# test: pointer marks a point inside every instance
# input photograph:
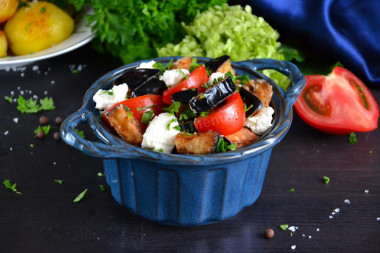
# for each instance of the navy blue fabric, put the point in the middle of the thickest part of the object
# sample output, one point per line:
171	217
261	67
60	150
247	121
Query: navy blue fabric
339	30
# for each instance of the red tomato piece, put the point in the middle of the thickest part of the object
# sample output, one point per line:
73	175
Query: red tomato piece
337	104
139	105
195	80
227	119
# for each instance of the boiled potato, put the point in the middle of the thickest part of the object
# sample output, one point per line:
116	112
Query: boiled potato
7	9
37	27
3	44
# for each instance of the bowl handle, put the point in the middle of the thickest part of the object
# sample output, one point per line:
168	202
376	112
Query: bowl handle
288	69
97	149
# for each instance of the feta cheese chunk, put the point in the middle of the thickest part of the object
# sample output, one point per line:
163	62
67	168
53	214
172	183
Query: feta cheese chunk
174	76
146	65
215	76
260	122
157	136
104	99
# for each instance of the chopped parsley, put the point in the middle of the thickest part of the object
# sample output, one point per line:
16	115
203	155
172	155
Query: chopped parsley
173	108
352	138
204	114
202	95
284	226
102	188
194	65
172	121
370	152
177	127
129	115
32	106
80	133
43	10
189	134
8	99
223	146
247	108
127	109
159	150
231	75
291	190
31	145
74	71
10	186
58	181
28	26
161	67
44	129
145	108
206	85
326	179
183	74
186	115
100	174
80	196
147	117
244	79
109	92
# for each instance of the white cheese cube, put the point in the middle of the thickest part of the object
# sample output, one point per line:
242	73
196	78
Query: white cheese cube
174	76
104	99
260	122
146	65
157	136
215	76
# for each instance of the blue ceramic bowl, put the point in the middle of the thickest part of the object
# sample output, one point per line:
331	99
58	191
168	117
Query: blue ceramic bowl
185	190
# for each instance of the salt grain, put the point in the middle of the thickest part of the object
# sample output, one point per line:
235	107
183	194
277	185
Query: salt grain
378	218
35	68
333	213
52	82
337	210
35	97
10	148
22	92
366	191
347	201
331	217
6	133
310	236
292	228
54	163
45	92
15	120
18	88
12	93
303	235
293	247
317	229
22	74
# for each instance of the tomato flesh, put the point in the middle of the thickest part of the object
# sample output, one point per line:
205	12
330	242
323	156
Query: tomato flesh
337	104
195	80
227	119
139	105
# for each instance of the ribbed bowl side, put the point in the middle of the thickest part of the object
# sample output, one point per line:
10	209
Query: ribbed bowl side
186	195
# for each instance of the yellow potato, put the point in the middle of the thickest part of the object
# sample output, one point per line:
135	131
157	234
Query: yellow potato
37	27
7	9
3	44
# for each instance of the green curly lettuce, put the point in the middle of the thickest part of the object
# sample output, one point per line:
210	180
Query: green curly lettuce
231	30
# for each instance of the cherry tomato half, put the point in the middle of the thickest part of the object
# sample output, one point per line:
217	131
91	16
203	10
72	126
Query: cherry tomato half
337	104
195	80
139	105
227	119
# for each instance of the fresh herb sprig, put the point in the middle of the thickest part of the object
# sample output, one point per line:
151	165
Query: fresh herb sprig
32	106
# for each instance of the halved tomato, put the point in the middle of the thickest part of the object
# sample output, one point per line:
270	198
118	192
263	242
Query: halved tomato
227	119
139	105
339	103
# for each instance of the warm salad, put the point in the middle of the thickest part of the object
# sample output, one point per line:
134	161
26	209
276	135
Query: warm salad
186	107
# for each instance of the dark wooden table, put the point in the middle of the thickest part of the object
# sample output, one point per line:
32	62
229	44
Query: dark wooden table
44	217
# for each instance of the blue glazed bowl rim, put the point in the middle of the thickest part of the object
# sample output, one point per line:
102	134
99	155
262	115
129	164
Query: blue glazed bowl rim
112	146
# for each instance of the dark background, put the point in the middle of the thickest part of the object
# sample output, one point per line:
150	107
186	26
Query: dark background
45	218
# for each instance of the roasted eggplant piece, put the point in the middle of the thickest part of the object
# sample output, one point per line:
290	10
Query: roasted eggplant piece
251	101
262	89
135	77
213	96
153	85
197	143
221	64
185	96
242	138
188	126
125	124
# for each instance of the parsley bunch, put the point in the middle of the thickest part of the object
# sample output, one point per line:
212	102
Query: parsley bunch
32	106
133	29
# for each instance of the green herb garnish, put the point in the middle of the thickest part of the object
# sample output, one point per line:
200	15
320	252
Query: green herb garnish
247	108
173	108
186	115
8	99
80	196
147	117
206	85
100	174
43	10
352	138
193	64
284	226
80	133
291	189
172	121
244	79
102	188
32	106
44	129
159	150
223	146
183	74
177	127
326	179
129	114
10	186
58	181
161	67
204	114
145	108
202	95
74	71
31	145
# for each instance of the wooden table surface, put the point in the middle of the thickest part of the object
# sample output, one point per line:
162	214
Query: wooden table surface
44	217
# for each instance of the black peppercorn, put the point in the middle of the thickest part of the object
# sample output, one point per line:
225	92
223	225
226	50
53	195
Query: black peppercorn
44	120
58	120
56	136
40	134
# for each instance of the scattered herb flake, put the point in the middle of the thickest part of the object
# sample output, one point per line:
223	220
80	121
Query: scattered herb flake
80	196
43	10
326	179
352	138
186	115
10	186
102	188
31	145
45	129
193	64
173	108
223	146
247	108
58	181
145	108
32	106
74	71
147	117
8	99
177	127
80	133
172	121
370	152
204	114
284	226
291	190
202	95
244	79
100	174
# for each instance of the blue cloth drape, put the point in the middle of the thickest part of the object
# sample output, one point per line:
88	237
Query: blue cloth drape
339	30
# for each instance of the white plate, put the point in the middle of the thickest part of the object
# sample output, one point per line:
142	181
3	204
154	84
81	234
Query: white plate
81	35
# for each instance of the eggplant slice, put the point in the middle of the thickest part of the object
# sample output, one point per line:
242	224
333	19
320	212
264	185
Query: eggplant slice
242	138
251	101
185	96
221	64
213	96
125	124
135	77
153	85
188	126
198	143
